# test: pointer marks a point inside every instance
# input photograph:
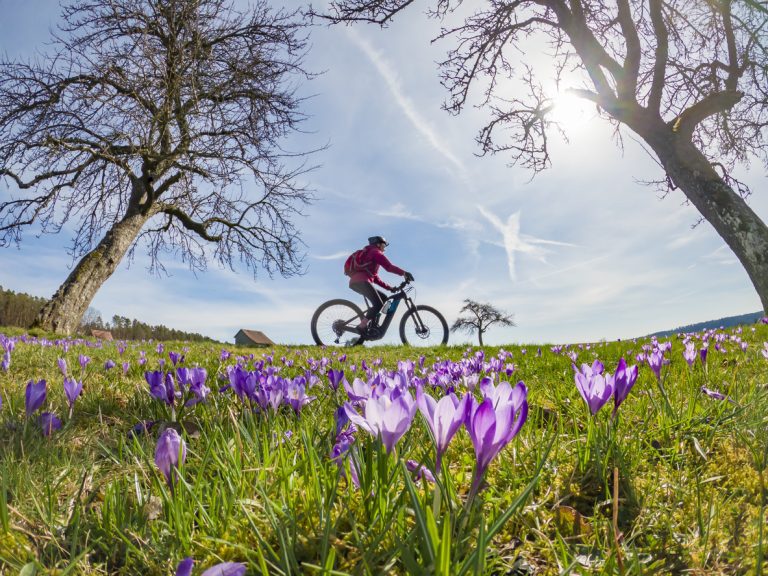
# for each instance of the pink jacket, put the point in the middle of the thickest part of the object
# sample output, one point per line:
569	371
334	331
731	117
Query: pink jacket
373	254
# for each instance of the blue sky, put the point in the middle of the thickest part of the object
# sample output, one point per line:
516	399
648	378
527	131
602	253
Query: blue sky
579	253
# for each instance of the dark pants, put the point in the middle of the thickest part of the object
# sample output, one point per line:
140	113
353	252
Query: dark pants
374	297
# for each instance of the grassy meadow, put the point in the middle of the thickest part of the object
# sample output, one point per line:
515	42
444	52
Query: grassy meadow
273	477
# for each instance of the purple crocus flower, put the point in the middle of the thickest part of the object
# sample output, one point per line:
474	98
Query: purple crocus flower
83	360
341	419
594	387
176	357
62	366
335	377
344	441
169	454
49	422
703	355
197	378
624	379
491	428
35	396
690	353
161	386
185	567
182	378
444	418
223	569
386	418
243	382
713	393
72	389
358	391
275	391
341	452
420	471
296	395
109	364
6	363
655	360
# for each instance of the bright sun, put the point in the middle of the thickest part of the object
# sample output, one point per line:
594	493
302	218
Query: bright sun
571	112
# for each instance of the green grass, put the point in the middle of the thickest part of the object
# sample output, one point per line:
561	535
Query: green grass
691	473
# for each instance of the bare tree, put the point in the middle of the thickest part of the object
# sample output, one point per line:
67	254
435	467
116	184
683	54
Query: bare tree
689	78
480	317
156	122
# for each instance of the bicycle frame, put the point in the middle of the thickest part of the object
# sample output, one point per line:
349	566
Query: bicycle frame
391	304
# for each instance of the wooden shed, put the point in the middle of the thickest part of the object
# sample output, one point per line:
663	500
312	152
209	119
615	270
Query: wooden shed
252	338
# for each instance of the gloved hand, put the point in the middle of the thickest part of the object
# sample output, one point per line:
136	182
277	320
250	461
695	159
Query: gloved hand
408	277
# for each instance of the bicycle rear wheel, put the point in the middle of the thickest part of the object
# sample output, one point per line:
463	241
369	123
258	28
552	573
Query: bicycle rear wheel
334	322
423	326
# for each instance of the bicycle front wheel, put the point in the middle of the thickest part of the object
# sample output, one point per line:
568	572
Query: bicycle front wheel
423	326
335	323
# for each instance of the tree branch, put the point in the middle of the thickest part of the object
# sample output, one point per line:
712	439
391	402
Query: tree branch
713	104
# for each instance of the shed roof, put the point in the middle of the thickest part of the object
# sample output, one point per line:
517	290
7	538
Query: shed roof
256	336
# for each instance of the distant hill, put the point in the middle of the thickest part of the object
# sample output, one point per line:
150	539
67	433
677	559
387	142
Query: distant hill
724	322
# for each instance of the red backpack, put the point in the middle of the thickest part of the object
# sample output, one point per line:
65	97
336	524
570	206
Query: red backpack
357	262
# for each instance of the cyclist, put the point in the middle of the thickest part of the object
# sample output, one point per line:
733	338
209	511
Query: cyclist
365	272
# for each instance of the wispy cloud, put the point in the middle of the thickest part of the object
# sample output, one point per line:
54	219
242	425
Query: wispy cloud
722	256
512	241
390	77
399	210
334	256
584	264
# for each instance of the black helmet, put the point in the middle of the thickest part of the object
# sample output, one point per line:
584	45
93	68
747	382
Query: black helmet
377	240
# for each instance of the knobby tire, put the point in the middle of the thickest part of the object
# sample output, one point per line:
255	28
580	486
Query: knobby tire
432	318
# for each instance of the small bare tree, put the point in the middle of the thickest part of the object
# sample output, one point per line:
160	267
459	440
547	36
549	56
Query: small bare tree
156	121
480	317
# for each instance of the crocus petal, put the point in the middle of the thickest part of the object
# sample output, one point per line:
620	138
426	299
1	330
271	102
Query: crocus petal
35	396
482	429
185	567
49	423
358	420
226	569
713	393
72	389
170	452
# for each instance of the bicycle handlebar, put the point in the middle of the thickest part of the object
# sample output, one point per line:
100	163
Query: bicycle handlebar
403	284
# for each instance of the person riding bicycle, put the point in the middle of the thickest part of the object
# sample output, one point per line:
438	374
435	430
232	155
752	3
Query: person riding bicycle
363	270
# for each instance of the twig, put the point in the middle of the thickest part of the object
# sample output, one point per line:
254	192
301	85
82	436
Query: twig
616	534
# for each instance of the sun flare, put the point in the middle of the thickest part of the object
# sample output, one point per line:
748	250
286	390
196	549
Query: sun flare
571	112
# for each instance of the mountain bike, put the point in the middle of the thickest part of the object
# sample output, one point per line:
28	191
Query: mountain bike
337	322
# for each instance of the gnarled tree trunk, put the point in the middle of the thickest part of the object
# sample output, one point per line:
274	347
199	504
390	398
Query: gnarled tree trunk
62	313
736	223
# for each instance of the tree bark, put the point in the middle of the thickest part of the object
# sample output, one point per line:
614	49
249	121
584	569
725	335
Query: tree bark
480	337
63	312
743	231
